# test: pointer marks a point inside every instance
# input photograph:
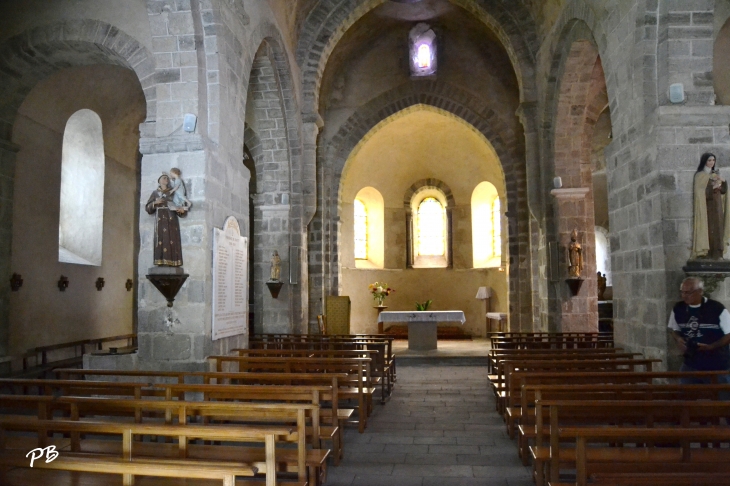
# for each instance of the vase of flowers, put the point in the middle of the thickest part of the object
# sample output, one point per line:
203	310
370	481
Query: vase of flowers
380	291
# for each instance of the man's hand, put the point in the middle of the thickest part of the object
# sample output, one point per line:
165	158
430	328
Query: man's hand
705	347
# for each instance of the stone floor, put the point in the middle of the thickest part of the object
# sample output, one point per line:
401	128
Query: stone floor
439	429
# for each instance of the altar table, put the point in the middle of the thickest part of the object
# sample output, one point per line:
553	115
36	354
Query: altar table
422	325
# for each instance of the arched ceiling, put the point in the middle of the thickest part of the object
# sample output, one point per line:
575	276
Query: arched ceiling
372	58
421	143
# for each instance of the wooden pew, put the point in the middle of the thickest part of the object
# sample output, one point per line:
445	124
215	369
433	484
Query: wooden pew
601	413
300	459
245	394
379	372
552	343
497	354
527	429
648	465
358	370
384	364
39	361
518	368
499	382
335	414
130	466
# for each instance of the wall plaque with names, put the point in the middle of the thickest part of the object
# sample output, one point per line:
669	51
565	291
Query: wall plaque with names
230	280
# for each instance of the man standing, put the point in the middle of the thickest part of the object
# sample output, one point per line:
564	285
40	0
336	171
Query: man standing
701	327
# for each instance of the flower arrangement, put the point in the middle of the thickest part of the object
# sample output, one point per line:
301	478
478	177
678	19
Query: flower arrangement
380	291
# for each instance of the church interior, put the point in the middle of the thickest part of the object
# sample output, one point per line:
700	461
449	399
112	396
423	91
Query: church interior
223	175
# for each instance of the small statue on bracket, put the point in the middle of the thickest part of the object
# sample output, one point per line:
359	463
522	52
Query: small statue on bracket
575	256
275	267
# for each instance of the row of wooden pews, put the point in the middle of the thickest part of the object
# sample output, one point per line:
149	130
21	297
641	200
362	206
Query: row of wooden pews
260	416
41	361
584	412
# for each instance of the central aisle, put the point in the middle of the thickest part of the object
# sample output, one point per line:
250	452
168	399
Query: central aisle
439	429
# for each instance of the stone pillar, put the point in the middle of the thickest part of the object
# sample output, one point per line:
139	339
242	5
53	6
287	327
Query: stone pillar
535	286
578	313
311	280
7	178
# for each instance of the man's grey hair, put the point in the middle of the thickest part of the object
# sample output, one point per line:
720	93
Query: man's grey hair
696	283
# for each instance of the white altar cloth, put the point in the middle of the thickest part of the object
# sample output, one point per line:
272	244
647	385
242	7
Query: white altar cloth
422	325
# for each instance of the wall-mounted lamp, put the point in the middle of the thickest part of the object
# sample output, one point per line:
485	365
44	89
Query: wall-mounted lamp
16	281
99	284
62	283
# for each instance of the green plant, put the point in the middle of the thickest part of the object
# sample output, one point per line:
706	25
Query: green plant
424	306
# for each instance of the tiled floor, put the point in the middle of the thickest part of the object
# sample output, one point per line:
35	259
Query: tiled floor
438	429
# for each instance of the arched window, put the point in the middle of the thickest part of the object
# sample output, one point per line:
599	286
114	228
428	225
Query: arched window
422	41
361	230
486	222
429	238
369	229
81	218
431	228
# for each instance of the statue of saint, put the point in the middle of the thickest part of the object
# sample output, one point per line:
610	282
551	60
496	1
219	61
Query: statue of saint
168	249
711	211
275	267
575	256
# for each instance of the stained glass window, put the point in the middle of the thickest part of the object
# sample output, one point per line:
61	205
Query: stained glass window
431	228
361	231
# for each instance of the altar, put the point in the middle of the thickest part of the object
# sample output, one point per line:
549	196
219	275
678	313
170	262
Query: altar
422	325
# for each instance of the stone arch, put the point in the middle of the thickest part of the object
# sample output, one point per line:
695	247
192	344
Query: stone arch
578	96
470	110
411	232
33	55
418	185
325	25
36	54
275	144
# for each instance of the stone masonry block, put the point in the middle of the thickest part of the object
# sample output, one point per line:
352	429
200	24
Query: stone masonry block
172	347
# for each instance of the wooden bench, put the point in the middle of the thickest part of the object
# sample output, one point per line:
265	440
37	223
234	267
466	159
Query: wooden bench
357	387
245	394
609	413
552	342
512	386
300	460
527	429
384	365
127	464
40	361
335	414
497	354
379	372
498	380
648	464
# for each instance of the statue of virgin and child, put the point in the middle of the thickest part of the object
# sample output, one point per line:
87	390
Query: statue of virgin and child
168	202
711	232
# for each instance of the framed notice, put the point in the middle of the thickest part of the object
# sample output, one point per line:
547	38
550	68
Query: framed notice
230	280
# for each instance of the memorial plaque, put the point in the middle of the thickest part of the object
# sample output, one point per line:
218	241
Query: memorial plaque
230	280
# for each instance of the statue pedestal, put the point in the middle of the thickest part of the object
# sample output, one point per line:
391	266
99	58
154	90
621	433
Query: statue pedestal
168	280
712	272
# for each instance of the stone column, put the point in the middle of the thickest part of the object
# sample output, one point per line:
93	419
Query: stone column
311	280
7	178
535	287
578	313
